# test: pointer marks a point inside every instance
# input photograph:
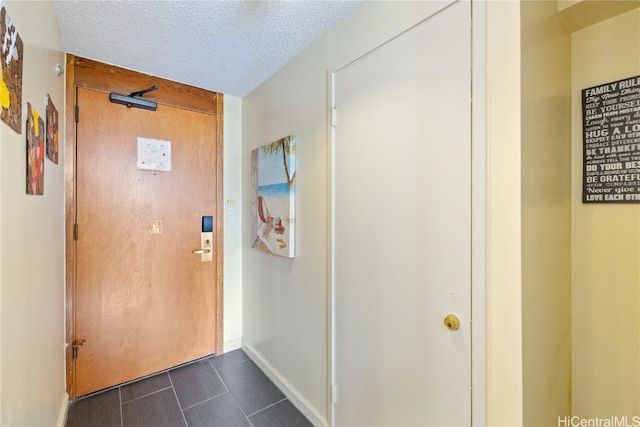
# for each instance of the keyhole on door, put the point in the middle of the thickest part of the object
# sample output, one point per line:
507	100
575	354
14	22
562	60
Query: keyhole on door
452	322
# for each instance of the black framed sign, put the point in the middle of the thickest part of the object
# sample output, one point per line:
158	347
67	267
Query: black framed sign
611	135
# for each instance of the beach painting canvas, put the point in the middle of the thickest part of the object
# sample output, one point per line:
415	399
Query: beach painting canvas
273	170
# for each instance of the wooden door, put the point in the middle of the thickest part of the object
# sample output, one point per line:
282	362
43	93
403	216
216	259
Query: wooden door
143	301
401	249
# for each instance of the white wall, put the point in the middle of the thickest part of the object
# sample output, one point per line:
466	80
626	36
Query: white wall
285	301
285	306
32	241
233	223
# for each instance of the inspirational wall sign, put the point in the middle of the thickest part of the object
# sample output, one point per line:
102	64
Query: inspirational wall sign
611	133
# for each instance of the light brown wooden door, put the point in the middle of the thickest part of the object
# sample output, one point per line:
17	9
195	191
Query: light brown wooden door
143	301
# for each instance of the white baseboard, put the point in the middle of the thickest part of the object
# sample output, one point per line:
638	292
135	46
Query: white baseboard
232	345
289	391
62	415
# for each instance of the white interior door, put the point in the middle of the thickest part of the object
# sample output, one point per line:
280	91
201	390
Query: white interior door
401	233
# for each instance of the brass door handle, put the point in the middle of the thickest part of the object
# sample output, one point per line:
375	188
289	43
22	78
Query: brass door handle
206	243
202	251
452	322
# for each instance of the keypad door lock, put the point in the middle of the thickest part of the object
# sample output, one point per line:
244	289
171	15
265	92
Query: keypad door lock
206	240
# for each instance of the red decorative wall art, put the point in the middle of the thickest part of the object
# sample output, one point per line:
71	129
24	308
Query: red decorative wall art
35	152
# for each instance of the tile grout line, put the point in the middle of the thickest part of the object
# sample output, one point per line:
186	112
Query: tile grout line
204	401
121	408
229	391
229	366
145	395
178	400
269	406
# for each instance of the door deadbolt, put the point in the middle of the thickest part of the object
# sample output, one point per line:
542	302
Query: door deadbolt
452	322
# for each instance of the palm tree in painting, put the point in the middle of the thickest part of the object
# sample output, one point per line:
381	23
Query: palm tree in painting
287	146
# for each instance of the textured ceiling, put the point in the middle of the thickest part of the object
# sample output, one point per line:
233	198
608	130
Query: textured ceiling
220	45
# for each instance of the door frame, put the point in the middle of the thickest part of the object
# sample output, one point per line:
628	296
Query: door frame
81	72
478	201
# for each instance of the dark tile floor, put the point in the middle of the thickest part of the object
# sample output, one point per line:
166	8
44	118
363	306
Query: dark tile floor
228	390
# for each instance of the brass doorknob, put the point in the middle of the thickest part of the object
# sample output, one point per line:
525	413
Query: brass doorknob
202	251
452	322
